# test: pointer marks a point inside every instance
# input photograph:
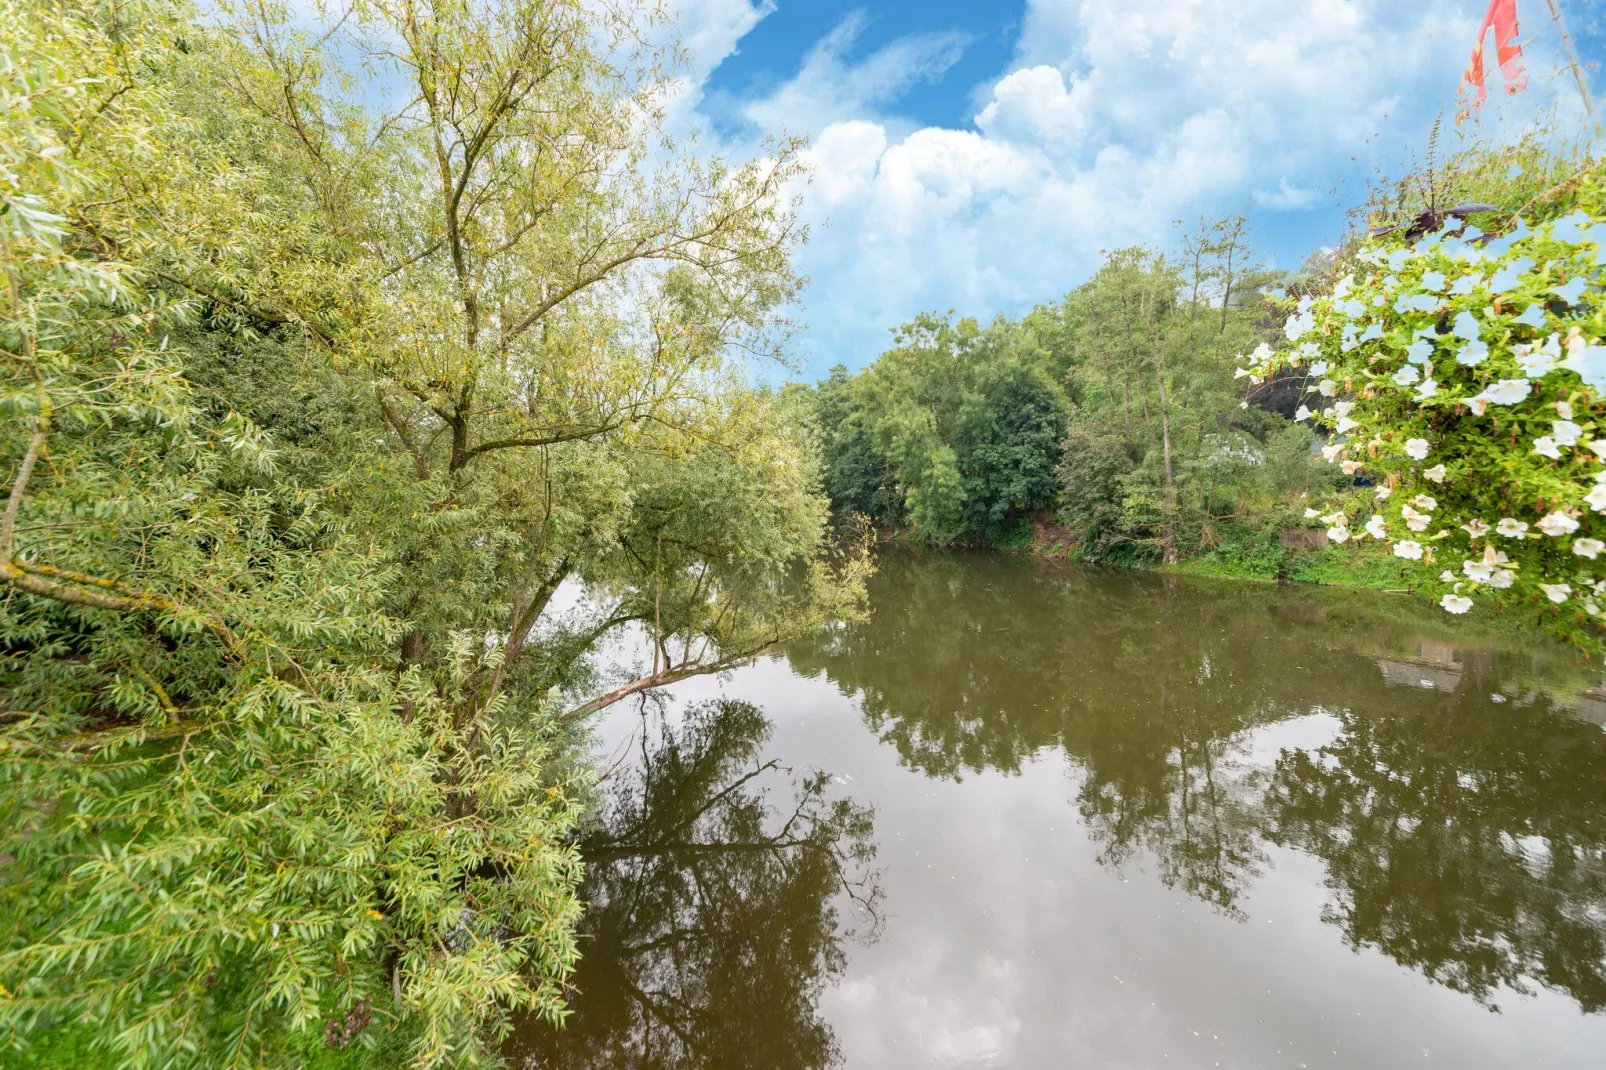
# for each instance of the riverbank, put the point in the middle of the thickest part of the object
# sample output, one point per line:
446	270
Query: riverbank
1244	553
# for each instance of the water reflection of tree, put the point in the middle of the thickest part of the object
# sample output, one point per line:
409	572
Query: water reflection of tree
1468	844
1463	838
1176	788
970	664
712	924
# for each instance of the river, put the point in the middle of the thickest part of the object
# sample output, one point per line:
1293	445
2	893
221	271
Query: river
1032	816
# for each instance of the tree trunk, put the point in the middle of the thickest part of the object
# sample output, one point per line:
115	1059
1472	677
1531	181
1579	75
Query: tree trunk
1170	541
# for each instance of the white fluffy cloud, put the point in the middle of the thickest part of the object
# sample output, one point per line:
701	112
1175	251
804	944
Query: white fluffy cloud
1114	121
1033	105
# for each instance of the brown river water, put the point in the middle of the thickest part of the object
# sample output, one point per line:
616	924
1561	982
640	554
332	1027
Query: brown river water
1032	816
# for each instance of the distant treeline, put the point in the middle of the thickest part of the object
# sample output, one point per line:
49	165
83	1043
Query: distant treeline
1113	418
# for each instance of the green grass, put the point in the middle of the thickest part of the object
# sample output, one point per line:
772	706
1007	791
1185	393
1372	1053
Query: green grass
1244	552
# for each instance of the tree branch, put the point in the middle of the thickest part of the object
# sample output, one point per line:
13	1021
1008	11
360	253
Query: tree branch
665	678
264	314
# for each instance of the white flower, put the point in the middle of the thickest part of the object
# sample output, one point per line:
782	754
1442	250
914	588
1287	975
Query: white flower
1239	373
1414	520
1566	433
1502	578
1456	603
1338	533
1302	413
1262	353
1319	368
1336	518
1589	548
1383	491
1407	375
1409	549
1505	392
1476	528
1436	473
1597	446
1556	592
1351	467
1327	388
1564	410
1447	576
1343	408
1535	363
1312	514
1506	278
1510	528
1597	497
1426	389
1546	446
1558	524
1330	453
1589	361
1377	527
1425	502
1417	449
1346	425
1592	609
1477	571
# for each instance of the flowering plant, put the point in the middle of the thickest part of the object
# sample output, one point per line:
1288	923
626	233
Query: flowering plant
1465	371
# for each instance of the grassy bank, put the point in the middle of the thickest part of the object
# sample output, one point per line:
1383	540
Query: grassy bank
1246	553
1239	551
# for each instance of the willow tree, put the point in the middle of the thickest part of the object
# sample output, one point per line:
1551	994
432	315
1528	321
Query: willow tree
311	408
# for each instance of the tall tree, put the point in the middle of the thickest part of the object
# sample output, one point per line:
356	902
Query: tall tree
312	409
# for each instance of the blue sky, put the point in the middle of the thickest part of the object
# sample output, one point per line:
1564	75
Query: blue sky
979	155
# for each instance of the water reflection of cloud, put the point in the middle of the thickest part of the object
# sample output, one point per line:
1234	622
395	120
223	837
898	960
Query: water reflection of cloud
1404	817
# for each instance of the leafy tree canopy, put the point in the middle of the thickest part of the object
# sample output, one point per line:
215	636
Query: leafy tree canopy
953	433
329	355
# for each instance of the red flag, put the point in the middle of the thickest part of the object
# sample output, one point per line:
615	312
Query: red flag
1502	16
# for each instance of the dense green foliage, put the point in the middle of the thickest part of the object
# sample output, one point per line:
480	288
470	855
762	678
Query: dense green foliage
1117	408
310	409
1462	355
953	433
